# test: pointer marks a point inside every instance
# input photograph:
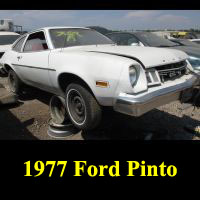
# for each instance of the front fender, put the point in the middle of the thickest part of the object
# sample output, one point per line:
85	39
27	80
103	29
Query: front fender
90	67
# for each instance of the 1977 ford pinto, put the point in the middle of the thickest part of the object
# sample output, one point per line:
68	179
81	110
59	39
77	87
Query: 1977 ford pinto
91	72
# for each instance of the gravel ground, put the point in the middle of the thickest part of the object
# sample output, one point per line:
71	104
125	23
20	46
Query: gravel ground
28	121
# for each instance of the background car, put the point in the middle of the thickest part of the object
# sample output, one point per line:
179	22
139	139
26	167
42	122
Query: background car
184	42
100	29
197	41
6	41
152	40
163	34
184	35
192	49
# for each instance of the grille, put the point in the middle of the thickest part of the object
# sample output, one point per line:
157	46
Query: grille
152	77
1	54
172	71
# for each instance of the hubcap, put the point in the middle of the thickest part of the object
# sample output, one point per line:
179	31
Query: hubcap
76	106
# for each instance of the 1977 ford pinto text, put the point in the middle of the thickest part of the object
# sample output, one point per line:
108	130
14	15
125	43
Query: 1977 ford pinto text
91	72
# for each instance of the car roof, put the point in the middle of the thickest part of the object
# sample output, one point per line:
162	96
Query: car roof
61	27
130	32
8	33
54	27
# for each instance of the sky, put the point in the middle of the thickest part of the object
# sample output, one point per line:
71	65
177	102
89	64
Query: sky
111	19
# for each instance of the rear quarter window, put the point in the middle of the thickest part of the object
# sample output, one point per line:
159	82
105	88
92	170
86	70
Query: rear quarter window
18	46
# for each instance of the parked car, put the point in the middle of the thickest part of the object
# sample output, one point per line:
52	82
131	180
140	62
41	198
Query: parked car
184	42
6	41
184	35
192	49
197	41
100	29
152	40
163	34
91	72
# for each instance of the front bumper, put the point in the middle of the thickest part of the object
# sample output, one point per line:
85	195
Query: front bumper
137	106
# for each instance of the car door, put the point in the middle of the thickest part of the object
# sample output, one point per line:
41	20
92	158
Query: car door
33	61
15	54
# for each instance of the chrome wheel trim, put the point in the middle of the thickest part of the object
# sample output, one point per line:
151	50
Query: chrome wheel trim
68	109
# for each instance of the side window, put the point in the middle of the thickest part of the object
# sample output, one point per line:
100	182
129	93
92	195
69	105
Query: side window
18	45
36	42
114	38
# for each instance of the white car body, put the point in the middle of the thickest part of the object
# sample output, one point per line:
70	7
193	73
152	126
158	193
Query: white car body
195	40
4	48
107	63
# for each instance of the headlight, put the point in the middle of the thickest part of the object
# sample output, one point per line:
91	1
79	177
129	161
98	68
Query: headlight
133	74
195	62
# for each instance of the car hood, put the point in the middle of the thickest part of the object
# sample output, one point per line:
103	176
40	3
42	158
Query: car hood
191	51
149	56
4	48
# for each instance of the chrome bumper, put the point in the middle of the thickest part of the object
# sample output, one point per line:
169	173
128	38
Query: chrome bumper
137	106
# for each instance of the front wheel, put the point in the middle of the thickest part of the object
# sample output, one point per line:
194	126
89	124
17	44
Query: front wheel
83	109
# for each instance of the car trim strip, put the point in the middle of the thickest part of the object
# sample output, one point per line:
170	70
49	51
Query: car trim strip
34	67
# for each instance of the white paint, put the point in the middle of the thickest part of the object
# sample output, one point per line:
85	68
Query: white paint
91	66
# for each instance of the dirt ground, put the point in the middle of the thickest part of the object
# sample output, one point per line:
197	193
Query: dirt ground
28	120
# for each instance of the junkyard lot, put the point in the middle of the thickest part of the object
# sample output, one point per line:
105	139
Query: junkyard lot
29	121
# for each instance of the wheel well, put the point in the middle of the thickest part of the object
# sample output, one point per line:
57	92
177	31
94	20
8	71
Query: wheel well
65	79
7	68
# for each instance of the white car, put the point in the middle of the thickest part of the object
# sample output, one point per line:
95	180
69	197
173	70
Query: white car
195	41
91	72
6	41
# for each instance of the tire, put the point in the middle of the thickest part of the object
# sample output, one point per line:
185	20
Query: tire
83	110
14	83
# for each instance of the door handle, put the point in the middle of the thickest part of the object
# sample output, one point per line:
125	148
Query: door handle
19	57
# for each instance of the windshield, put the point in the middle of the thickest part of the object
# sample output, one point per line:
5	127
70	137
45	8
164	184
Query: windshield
8	39
153	40
69	37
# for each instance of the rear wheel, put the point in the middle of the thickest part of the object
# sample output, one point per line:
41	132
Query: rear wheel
83	109
14	83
